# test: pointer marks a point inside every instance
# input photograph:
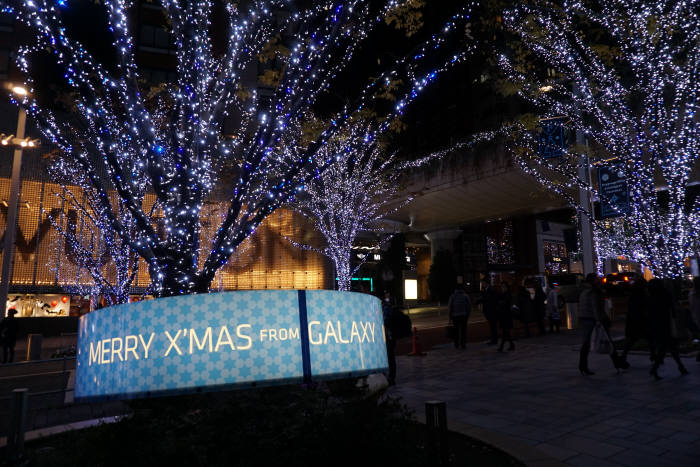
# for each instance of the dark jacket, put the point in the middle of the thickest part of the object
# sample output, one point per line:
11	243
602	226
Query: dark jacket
637	320
489	302
526	312
590	303
660	311
505	311
459	305
538	302
8	331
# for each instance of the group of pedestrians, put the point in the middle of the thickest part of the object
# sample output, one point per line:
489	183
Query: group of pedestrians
651	315
497	309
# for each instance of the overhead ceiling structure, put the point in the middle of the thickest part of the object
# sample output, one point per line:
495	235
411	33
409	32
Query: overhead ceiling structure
457	195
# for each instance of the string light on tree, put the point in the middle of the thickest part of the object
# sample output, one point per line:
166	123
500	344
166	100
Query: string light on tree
116	141
359	190
633	93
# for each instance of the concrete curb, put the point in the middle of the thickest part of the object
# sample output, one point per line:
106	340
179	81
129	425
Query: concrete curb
58	429
528	455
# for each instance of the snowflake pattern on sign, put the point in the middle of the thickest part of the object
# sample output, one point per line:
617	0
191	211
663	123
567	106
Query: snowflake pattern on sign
193	341
208	341
346	333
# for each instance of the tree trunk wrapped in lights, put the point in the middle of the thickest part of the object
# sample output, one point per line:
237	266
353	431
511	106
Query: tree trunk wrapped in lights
626	78
177	147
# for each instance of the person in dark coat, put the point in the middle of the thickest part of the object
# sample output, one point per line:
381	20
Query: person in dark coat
459	308
526	312
489	303
637	320
539	306
8	336
660	315
590	312
505	316
390	341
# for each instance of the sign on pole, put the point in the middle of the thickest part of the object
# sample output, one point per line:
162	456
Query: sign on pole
614	192
551	140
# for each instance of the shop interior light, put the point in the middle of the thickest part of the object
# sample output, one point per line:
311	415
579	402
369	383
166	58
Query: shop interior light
20	90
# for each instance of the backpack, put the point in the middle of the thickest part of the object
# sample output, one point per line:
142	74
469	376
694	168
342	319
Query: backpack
400	324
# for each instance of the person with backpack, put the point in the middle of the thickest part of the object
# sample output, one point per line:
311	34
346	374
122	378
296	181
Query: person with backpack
459	307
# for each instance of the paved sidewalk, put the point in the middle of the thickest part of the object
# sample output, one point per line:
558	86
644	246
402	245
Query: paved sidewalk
536	396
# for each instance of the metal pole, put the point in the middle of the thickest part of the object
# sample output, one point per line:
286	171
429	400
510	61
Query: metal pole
18	417
436	423
586	228
11	226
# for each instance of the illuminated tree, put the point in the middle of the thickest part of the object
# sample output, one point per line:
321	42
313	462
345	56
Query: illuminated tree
177	146
107	265
624	73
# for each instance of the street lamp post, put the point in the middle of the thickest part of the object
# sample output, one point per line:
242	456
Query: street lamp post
11	226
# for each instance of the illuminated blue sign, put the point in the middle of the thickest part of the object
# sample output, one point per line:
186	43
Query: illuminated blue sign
614	192
221	340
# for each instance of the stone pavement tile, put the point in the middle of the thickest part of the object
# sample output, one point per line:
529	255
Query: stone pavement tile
588	446
679	424
682	459
633	458
583	460
674	445
685	437
519	449
620	422
653	429
643	438
530	432
644	448
601	428
556	452
620	433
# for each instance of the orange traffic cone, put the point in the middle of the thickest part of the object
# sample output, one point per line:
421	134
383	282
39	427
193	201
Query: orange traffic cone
416	350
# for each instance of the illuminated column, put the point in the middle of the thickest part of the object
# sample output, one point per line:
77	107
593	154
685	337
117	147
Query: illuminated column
11	226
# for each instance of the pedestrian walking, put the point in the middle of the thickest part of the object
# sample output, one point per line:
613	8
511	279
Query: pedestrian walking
8	336
637	320
489	304
505	316
694	307
525	308
460	308
553	308
590	312
539	300
661	317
